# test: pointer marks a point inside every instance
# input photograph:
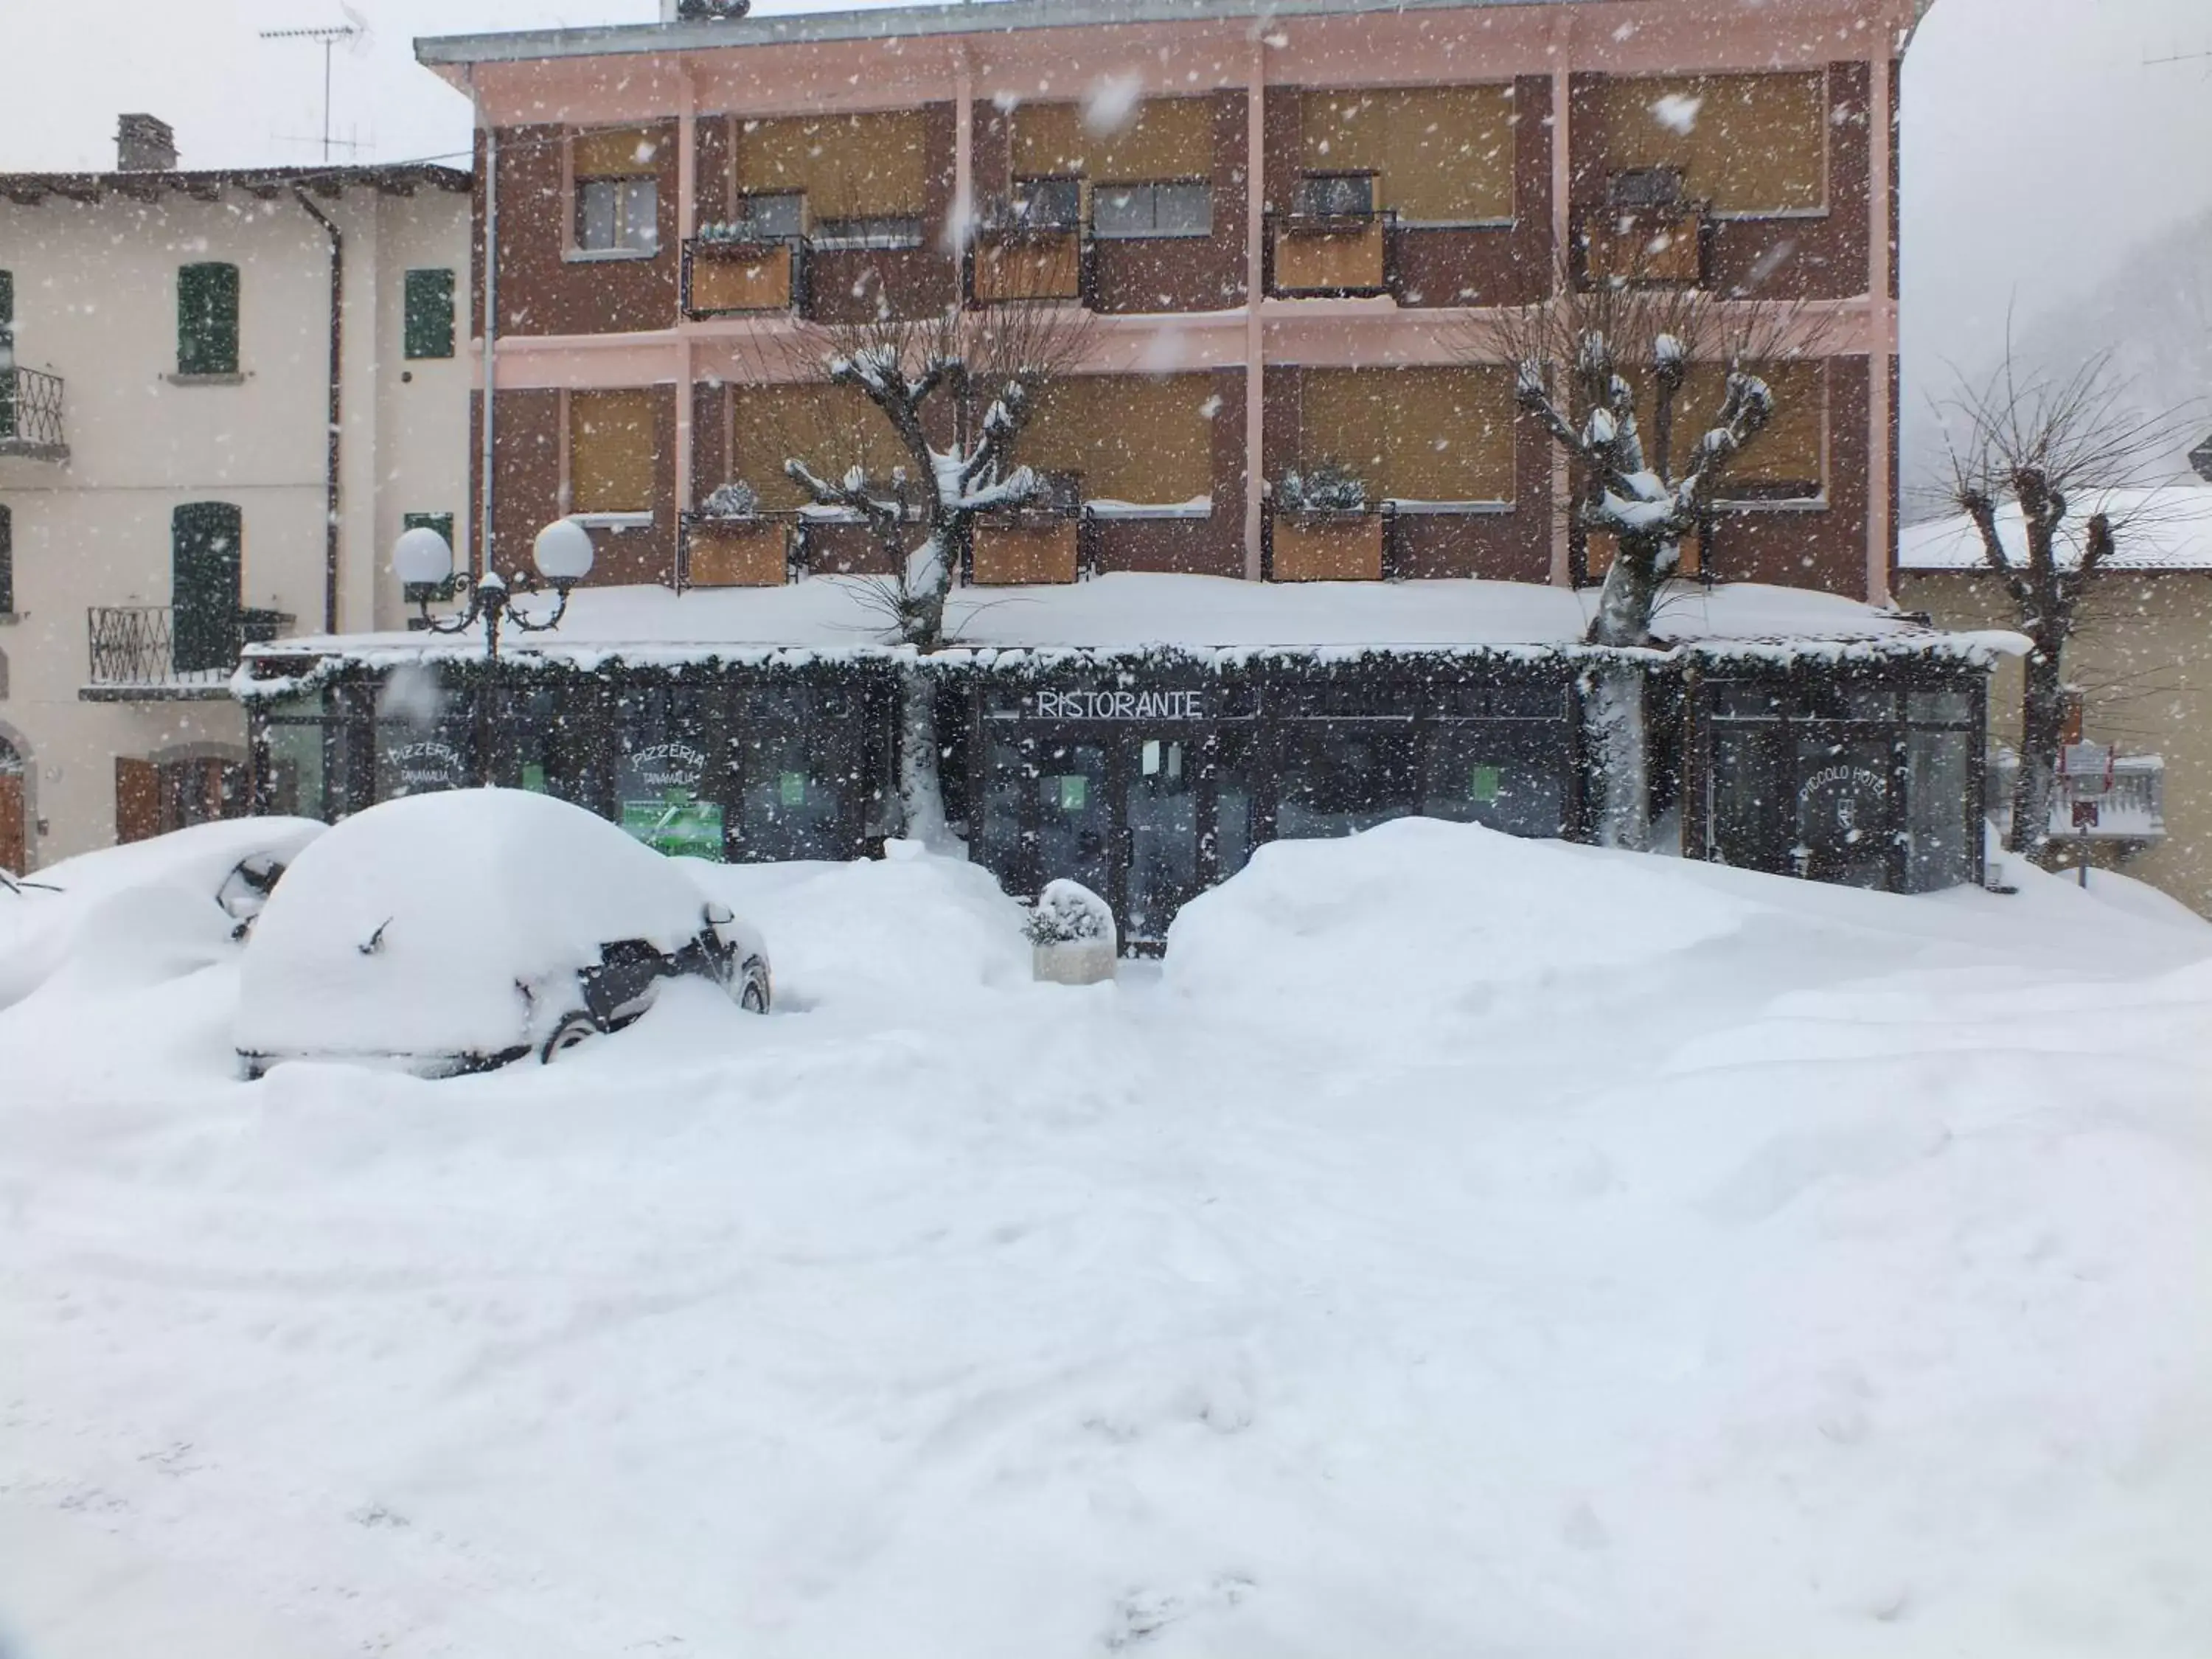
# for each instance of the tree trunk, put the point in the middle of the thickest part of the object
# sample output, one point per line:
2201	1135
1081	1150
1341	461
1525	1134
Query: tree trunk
2042	730
1615	757
1632	589
922	789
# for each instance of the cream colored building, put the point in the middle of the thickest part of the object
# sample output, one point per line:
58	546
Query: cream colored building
167	485
2142	662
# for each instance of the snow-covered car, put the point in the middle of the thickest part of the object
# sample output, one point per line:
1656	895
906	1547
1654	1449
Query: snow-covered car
191	893
459	931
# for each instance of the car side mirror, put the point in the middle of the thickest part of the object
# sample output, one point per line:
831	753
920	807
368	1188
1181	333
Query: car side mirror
720	915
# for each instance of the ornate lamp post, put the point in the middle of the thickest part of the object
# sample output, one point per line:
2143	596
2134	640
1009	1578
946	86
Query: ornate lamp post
563	553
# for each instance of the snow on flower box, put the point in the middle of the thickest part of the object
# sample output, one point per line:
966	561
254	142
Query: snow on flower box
1327	546
1025	549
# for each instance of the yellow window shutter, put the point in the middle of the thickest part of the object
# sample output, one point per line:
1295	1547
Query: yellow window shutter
1747	143
615	152
614	457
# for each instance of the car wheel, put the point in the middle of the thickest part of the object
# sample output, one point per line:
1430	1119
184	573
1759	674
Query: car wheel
573	1031
754	998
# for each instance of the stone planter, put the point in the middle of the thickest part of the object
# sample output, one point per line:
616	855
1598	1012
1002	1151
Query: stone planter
1073	962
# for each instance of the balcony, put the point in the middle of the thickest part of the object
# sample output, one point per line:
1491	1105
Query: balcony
1326	545
1015	263
149	653
760	550
1328	256
2132	814
1660	246
31	415
739	275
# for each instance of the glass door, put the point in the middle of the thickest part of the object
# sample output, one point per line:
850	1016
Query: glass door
1160	803
1075	815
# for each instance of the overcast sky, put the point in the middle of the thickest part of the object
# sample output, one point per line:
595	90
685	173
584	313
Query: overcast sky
2037	140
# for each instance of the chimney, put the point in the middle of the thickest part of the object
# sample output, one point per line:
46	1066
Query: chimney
144	143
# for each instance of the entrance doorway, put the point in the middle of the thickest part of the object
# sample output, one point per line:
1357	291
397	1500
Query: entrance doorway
1147	817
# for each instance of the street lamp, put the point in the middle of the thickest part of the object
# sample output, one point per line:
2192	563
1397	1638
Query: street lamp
423	559
562	554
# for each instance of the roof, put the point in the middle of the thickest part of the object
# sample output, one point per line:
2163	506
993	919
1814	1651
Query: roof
402	178
2168	528
1130	612
900	22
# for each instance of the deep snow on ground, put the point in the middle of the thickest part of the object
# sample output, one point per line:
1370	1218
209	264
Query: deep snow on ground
1461	1247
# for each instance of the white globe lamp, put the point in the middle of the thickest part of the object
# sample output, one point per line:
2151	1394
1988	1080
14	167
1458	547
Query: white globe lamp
421	557
562	552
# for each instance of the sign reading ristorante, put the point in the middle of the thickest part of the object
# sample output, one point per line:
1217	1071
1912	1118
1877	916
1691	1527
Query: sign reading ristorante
1119	706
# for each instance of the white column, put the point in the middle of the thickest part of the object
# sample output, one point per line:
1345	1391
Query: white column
1256	231
1882	333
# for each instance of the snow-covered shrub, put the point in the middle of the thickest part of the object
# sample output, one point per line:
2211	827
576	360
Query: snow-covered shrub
734	500
1072	930
1325	488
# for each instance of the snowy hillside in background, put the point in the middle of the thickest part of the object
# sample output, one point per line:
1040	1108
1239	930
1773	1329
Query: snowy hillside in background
1464	1246
2154	313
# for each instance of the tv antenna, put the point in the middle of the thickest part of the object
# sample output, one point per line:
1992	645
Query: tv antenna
353	32
2178	57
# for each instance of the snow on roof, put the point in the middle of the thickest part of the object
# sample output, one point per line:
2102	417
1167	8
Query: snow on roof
1131	612
2168	528
891	23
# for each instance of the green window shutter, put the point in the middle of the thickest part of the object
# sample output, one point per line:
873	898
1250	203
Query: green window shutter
7	357
7	562
205	569
429	314
207	319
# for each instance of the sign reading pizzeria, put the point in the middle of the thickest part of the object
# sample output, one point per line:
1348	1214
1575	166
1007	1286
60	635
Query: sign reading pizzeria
1119	706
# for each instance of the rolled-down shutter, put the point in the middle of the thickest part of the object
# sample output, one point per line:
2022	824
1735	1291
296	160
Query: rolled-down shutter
205	577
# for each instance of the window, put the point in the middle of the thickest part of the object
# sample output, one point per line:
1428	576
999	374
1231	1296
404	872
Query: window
1746	144
1178	209
207	319
7	355
1337	196
771	217
1162	138
1784	462
876	166
1048	203
1413	435
205	569
613	453
433	593
7	562
618	192
830	428
429	314
1130	438
1444	154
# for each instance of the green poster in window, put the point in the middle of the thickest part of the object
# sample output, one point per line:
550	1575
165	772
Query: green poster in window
676	824
1074	790
533	778
793	789
1482	783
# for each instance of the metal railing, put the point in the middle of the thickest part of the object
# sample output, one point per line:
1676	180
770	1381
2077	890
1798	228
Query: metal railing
141	646
31	413
2134	809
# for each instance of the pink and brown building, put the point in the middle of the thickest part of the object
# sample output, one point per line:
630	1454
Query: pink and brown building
1285	223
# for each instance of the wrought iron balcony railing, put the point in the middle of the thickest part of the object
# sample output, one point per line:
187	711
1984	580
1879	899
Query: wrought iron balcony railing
154	651
31	415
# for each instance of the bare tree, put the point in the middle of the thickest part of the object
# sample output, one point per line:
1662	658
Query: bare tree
957	390
1592	365
2051	472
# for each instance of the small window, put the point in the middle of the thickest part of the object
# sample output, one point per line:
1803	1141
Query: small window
207	319
433	593
617	214
1055	204
771	217
1336	196
1121	211
429	314
614	456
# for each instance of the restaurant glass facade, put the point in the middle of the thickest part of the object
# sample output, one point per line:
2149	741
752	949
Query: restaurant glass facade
1150	780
